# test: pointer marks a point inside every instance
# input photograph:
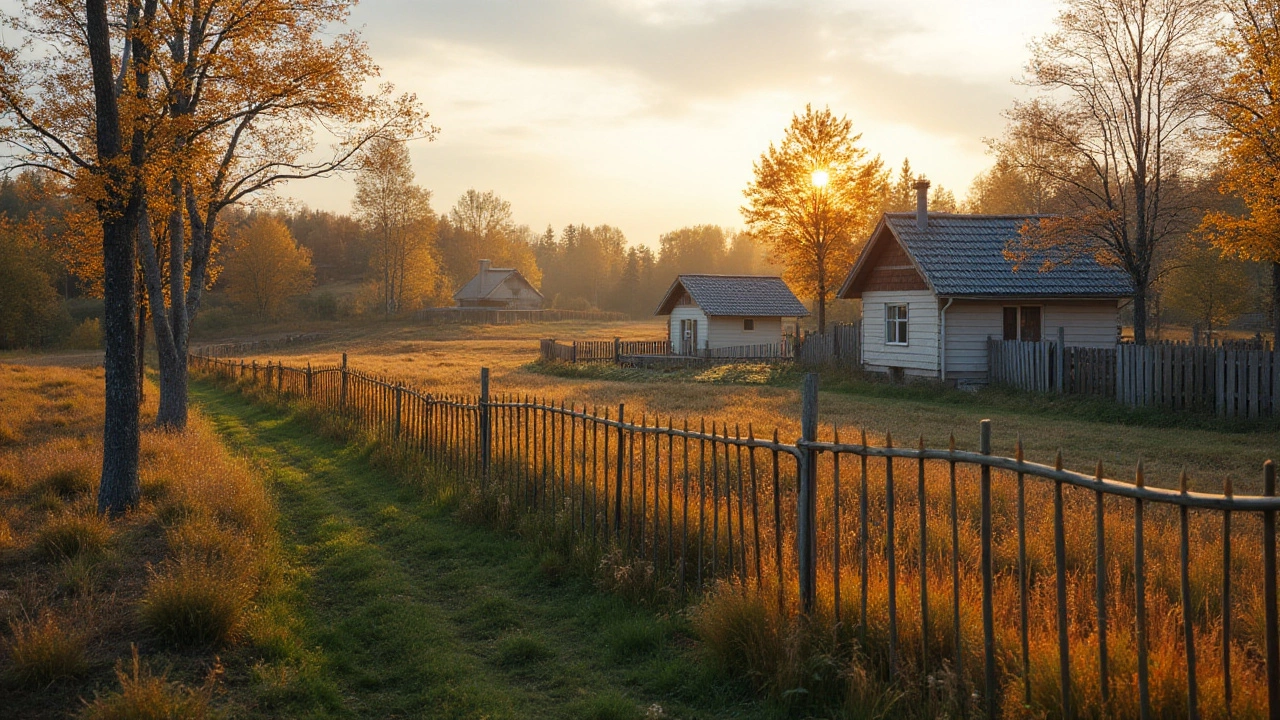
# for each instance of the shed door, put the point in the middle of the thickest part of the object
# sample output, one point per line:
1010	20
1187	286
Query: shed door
689	337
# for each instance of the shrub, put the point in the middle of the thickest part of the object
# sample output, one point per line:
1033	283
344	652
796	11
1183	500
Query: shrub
194	605
86	336
43	651
327	306
144	696
71	481
72	534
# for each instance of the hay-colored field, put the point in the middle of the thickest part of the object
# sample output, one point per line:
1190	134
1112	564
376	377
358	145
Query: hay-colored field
447	359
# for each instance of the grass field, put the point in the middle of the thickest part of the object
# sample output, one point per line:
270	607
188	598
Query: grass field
448	360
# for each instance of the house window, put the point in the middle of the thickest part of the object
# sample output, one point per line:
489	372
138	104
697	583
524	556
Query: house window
1023	323
895	324
748	323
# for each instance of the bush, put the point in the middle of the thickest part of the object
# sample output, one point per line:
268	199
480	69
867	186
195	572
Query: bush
86	336
43	651
193	605
327	306
144	696
72	481
72	534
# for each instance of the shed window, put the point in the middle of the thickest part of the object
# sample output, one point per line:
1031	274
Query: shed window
1023	323
748	323
895	324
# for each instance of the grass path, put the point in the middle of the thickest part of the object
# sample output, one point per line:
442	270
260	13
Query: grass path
412	613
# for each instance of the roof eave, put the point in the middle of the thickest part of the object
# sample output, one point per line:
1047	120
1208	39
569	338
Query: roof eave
866	254
662	308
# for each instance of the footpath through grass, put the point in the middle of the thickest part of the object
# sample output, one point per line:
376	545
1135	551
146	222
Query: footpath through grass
412	613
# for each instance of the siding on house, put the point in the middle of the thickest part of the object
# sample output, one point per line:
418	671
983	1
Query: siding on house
1087	323
687	312
919	356
891	268
726	331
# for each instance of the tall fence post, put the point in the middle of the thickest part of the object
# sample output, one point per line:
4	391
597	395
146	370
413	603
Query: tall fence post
1059	383
399	402
988	581
1269	593
617	493
617	351
308	379
486	428
806	535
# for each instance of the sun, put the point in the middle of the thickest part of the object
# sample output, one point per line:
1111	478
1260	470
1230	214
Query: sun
819	178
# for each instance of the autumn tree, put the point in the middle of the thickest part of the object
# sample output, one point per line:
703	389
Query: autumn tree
480	226
1206	289
397	214
1247	109
265	267
29	305
814	200
1121	88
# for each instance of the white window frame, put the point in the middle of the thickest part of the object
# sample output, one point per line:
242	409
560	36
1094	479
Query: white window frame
902	321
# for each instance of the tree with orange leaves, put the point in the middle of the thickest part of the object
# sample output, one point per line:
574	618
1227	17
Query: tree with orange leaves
812	201
1247	108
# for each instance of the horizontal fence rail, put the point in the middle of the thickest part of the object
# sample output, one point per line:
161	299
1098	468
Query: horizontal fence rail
1037	590
1236	380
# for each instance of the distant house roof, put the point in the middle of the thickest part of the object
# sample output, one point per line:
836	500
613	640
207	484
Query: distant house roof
487	280
739	295
963	256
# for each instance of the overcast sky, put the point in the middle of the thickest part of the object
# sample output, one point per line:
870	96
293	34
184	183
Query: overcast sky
648	114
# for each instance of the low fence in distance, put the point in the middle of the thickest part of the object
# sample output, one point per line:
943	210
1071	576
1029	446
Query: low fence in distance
929	558
840	347
228	349
499	316
1236	383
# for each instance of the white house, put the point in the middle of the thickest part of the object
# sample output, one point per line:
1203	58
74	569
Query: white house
716	311
501	288
935	286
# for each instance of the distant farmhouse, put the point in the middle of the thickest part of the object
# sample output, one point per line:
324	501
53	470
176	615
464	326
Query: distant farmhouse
935	286
501	288
708	312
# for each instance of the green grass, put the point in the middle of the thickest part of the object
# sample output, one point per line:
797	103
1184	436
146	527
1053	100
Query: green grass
406	611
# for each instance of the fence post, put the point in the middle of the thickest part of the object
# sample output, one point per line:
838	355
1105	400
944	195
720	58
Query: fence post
806	536
342	394
399	404
988	582
617	494
486	429
575	352
1059	382
1269	593
308	379
617	351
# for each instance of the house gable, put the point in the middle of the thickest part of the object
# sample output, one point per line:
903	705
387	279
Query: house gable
883	266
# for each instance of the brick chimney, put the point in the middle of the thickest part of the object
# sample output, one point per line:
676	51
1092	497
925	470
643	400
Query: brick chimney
922	204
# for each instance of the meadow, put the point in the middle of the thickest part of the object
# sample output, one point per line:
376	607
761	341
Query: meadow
845	661
167	611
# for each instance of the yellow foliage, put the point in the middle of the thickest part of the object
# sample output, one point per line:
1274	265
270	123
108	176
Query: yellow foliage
266	267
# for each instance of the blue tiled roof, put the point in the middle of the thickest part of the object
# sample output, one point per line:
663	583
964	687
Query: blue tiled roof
963	255
736	295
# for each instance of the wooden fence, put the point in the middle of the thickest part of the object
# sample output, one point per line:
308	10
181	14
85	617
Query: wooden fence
838	348
1176	376
976	558
497	316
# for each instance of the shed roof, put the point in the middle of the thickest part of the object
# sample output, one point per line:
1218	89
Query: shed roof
736	295
486	281
963	256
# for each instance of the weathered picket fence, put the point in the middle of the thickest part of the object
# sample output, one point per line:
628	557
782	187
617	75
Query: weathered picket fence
840	347
1237	383
865	535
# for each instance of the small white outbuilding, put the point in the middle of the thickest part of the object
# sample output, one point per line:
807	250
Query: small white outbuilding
936	286
708	312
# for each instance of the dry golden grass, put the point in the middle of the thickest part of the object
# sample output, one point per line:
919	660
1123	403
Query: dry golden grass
144	695
447	360
183	569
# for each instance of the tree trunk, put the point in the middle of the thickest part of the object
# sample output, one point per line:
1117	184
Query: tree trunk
142	344
118	490
1140	316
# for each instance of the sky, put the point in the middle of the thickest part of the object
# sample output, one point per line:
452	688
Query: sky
648	114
